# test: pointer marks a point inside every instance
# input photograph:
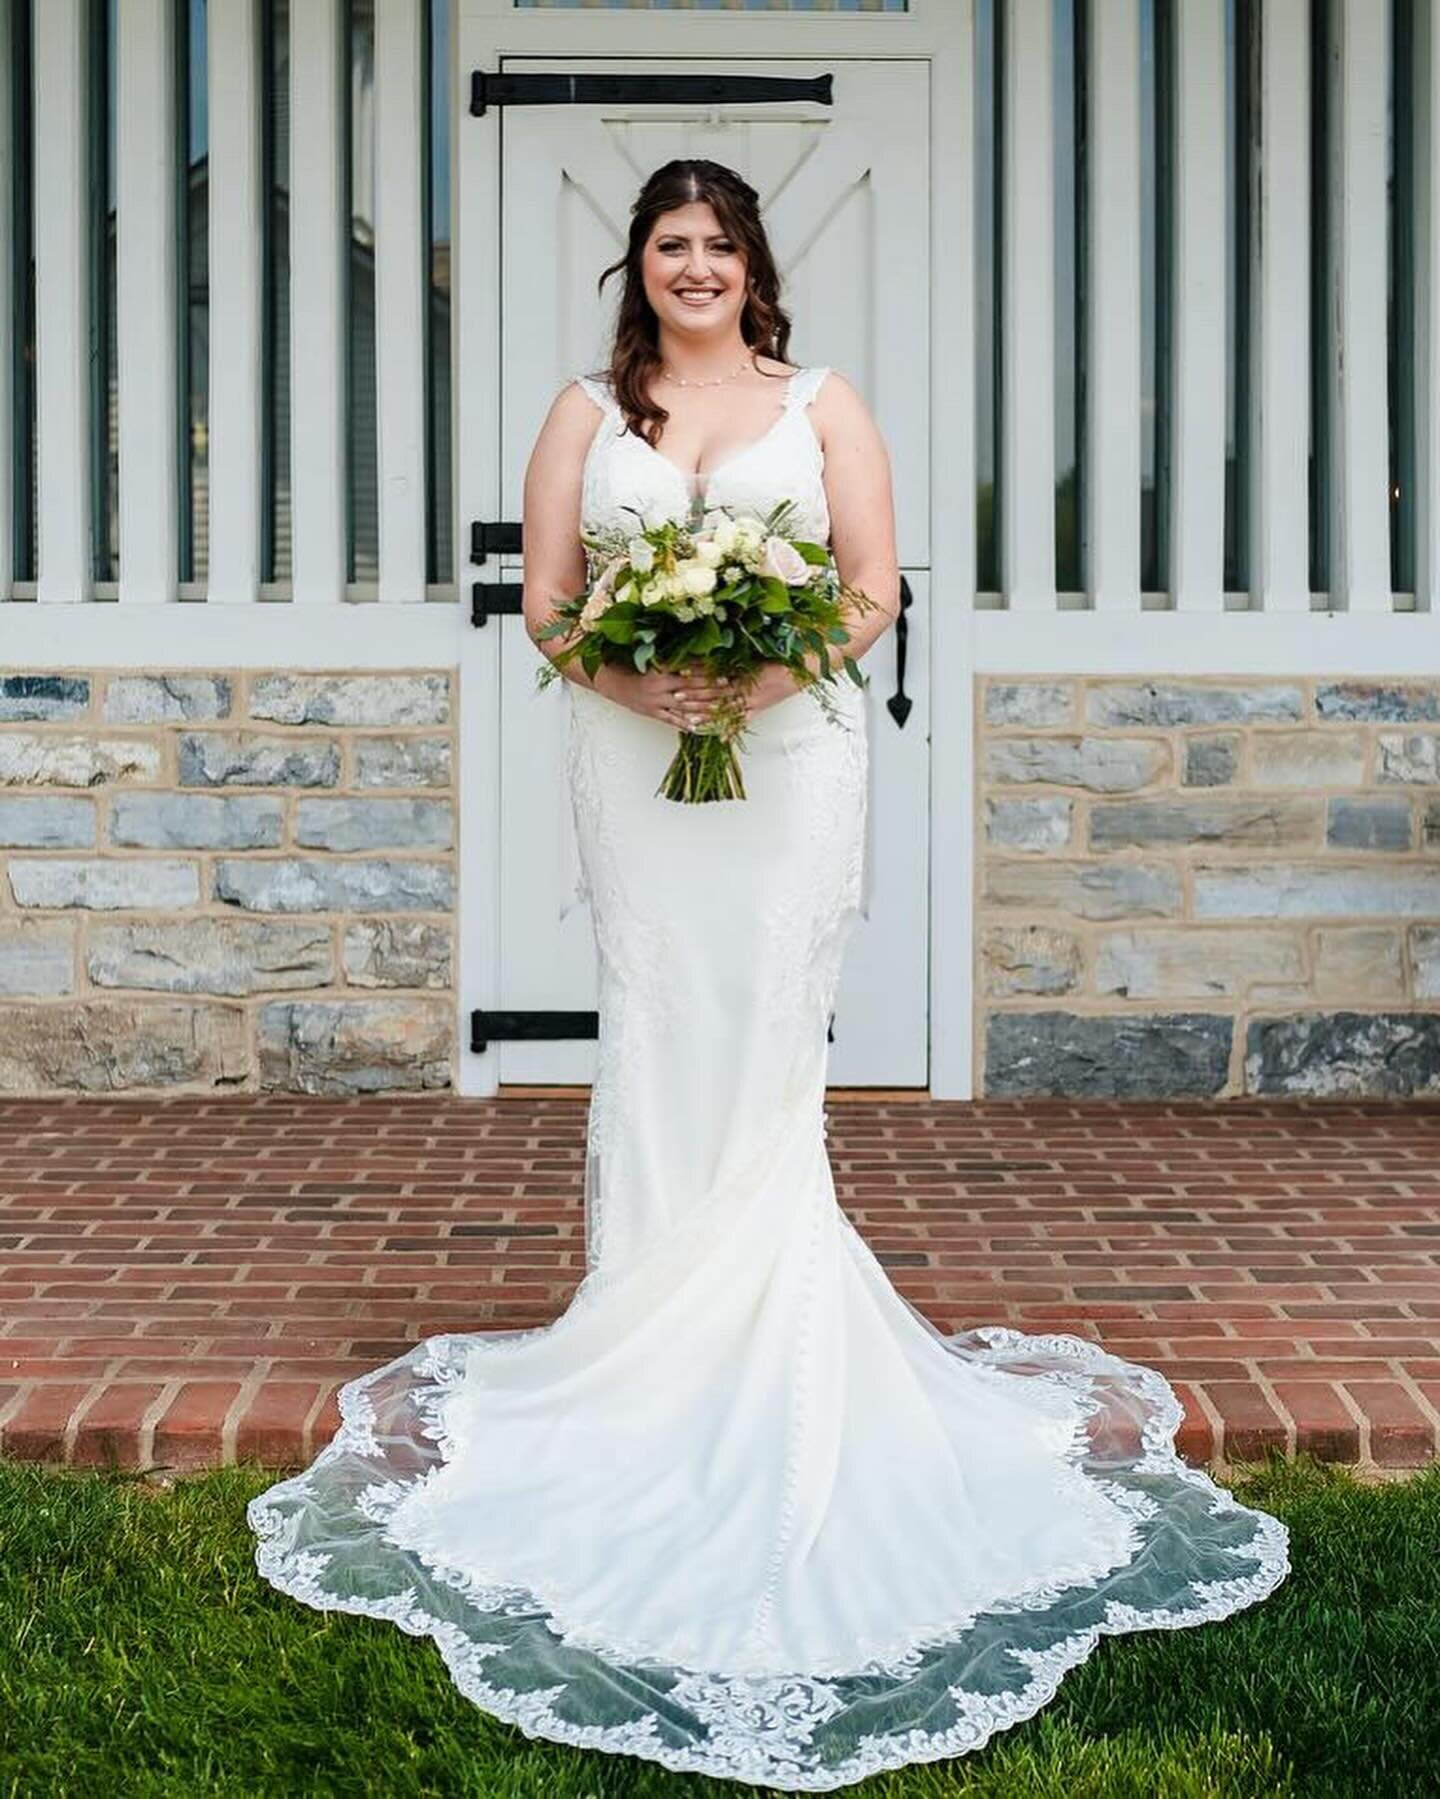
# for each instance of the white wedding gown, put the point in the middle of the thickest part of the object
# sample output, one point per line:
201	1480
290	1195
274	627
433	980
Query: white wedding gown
742	1509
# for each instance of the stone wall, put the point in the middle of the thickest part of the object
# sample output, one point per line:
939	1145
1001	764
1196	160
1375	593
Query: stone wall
226	879
1208	887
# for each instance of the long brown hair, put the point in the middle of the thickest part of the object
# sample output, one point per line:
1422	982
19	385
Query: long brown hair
764	324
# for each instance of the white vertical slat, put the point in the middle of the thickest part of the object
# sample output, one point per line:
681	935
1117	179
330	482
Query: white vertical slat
1426	76
61	302
1362	446
145	300
401	283
7	311
1028	408
236	109
1198	318
318	239
1112	425
1280	553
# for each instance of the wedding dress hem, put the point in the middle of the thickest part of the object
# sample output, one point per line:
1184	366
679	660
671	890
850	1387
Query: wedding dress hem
779	1712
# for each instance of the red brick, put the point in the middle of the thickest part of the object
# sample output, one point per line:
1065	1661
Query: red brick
1401	1436
109	1433
1324	1426
271	1431
189	1434
1251	1424
36	1433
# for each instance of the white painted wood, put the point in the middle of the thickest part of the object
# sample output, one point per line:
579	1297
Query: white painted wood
145	300
1112	424
1280	510
1426	75
1198	320
271	634
475	230
950	826
319	236
1027	431
400	287
237	203
1362	455
7	309
61	303
856	198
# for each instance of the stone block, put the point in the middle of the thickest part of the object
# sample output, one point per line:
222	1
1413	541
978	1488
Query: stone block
210	955
355	1046
1124	1056
37	696
124	884
368	700
28	759
1358	963
373	824
1235	820
1085	889
1308	759
1411	757
1029	959
198	821
1042	824
1310	890
1425	960
300	885
1211	761
1167	703
1368	824
1379	702
241	759
163	699
1034	703
37	956
1100	764
402	761
112	1046
1195	962
43	822
392	952
1328	1054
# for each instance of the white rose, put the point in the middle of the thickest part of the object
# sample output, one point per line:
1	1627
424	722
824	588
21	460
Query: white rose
783	561
642	555
709	552
724	536
697	579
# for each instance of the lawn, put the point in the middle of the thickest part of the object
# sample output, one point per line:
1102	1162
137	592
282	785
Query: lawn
144	1655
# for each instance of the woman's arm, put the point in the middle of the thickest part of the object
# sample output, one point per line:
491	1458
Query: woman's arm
862	509
554	555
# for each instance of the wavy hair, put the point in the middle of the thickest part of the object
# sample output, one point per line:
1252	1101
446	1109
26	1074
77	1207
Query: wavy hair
764	324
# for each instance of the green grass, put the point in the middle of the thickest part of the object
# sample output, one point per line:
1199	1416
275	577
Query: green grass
142	1654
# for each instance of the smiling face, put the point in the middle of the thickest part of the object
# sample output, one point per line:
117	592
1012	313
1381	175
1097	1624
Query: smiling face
694	273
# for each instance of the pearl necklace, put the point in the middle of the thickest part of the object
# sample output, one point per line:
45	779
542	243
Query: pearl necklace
716	381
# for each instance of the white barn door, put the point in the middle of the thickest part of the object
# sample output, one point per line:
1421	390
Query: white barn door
845	195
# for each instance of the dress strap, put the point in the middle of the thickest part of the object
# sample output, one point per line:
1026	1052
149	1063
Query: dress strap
805	383
599	392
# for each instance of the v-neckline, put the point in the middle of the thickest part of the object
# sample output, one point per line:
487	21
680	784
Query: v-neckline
706	476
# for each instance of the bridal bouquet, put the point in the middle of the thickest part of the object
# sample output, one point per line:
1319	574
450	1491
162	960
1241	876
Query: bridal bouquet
727	590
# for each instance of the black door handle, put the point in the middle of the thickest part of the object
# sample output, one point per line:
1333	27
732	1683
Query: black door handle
899	703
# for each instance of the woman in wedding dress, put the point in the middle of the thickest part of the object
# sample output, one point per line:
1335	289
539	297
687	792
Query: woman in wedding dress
742	1510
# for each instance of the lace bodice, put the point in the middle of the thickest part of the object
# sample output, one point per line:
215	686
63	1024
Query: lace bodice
784	462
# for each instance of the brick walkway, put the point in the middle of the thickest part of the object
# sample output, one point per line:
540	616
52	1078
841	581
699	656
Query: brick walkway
186	1281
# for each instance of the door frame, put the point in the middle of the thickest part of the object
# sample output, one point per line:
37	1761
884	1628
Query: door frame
940	31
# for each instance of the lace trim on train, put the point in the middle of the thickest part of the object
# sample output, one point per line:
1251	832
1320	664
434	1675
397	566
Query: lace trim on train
763	1728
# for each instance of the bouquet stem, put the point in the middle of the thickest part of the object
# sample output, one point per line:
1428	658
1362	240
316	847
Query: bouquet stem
704	767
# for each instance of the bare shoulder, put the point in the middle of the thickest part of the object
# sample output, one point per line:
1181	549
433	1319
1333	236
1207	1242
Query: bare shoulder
570	421
843	421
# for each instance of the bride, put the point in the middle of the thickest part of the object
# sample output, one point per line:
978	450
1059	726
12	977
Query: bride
742	1510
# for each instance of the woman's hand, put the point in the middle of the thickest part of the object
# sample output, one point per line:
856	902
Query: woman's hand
681	698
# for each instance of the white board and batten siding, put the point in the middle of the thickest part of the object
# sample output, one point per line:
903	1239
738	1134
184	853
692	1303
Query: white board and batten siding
913	354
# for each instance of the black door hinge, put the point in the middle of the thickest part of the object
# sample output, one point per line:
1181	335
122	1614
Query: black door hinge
490	539
488	597
488	89
529	1027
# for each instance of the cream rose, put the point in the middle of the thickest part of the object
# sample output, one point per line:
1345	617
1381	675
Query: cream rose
784	562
